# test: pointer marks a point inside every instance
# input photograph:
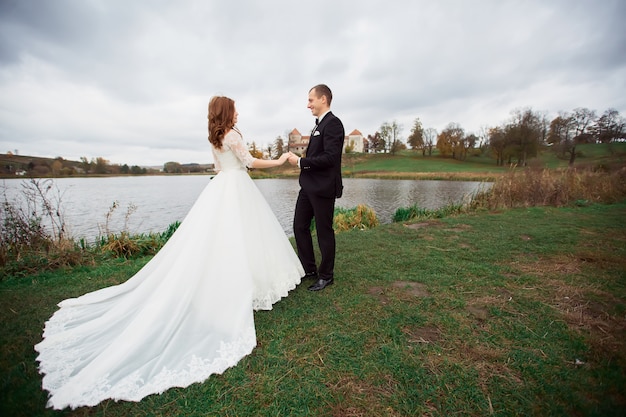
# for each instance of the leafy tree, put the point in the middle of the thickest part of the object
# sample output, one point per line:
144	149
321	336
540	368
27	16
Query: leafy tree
497	143
254	151
376	142
390	133
467	143
56	167
525	134
449	141
124	169
560	133
85	164
101	165
172	167
416	138
137	170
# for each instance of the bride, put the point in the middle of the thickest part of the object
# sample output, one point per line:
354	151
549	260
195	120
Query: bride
188	313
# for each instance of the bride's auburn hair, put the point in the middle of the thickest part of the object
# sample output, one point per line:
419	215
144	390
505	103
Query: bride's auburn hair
221	116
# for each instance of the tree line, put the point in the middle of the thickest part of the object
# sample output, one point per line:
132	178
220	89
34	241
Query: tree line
59	167
516	140
522	136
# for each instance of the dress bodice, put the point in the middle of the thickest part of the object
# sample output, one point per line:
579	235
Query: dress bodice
233	154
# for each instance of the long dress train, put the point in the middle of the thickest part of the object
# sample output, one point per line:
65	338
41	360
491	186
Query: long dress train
188	313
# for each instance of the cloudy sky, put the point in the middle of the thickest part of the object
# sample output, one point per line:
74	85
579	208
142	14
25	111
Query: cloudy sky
130	80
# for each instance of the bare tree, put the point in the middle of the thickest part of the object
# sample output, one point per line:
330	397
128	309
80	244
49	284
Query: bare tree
430	137
279	147
609	127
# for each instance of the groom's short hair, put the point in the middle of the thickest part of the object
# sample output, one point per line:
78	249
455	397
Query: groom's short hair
323	90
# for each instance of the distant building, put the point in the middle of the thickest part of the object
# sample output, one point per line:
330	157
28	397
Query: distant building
298	143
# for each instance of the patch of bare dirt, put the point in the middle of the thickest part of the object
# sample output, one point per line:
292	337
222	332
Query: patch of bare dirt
379	294
425	334
550	266
479	307
459	228
401	289
416	226
362	398
414	289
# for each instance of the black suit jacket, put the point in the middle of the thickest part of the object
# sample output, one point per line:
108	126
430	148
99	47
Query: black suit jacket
320	168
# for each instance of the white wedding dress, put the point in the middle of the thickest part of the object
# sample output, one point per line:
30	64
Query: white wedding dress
188	313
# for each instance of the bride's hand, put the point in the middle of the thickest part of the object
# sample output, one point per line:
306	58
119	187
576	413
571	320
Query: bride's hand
283	158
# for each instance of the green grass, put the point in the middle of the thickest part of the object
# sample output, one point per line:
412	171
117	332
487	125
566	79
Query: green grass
412	162
512	313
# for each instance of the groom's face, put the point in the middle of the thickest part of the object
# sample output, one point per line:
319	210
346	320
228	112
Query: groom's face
317	105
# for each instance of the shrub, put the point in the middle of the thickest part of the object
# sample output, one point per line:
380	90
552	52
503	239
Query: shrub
126	245
360	217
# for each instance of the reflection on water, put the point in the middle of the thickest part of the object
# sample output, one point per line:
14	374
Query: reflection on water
162	200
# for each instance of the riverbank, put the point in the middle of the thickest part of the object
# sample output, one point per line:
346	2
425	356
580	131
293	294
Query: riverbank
510	312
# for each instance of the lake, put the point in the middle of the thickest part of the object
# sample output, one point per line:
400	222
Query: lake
157	201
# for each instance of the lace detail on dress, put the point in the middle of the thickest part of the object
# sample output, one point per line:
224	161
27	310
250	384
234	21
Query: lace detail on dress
134	387
232	142
264	298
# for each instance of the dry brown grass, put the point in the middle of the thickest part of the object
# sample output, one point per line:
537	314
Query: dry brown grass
546	187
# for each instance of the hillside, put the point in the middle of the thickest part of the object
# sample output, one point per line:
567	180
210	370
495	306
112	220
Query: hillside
34	166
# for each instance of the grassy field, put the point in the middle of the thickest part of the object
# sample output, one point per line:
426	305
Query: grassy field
518	312
411	164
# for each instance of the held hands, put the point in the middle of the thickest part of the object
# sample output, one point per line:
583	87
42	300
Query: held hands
293	158
283	158
288	156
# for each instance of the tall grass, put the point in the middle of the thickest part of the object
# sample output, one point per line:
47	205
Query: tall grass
34	237
418	213
360	217
545	187
33	233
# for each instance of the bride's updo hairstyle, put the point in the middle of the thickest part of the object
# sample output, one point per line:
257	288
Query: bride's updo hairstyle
221	116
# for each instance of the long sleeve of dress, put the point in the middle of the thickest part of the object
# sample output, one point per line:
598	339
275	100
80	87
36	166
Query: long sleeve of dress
235	142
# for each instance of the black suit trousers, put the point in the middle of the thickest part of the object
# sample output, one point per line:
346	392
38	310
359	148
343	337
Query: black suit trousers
309	206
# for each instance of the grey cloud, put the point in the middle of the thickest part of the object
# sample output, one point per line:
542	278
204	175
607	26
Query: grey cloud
114	75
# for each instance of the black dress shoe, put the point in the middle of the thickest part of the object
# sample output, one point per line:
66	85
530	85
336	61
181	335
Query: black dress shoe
310	275
321	284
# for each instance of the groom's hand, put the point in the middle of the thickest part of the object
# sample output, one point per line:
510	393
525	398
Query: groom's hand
293	159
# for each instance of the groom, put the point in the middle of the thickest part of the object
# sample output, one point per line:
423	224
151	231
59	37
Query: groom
320	184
